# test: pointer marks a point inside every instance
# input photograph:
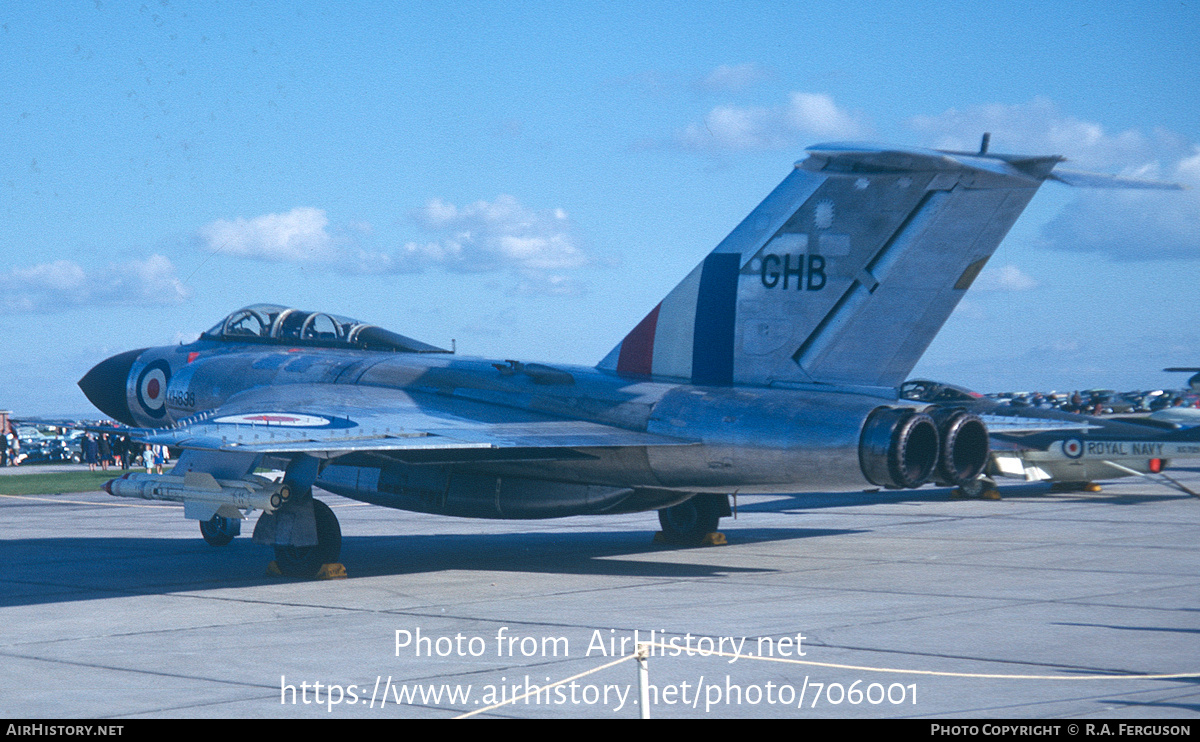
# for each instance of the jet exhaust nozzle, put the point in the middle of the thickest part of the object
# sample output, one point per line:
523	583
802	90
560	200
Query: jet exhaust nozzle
899	448
964	447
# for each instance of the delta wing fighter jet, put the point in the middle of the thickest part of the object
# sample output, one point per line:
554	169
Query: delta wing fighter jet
774	366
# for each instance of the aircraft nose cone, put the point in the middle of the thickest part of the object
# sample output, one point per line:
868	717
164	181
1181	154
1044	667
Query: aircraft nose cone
105	384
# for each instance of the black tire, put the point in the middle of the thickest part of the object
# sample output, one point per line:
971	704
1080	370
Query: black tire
219	531
690	521
304	561
974	488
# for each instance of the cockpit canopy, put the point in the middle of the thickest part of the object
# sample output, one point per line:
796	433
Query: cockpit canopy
921	390
278	325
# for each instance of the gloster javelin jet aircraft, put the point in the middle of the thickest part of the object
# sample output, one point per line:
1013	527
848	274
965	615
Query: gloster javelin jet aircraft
774	366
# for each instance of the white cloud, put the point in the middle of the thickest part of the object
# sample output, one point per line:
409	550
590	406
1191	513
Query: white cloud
1120	224
1039	127
734	128
1188	169
777	127
547	285
733	77
818	115
1004	278
64	284
1132	225
299	236
497	235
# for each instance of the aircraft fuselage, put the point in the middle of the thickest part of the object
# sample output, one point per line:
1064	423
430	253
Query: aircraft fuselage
747	439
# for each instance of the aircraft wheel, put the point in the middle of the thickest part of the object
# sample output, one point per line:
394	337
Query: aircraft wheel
304	561
976	487
220	531
690	521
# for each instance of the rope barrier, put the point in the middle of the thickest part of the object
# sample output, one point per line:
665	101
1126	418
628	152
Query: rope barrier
643	646
938	673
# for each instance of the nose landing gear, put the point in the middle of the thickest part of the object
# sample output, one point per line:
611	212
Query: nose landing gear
219	531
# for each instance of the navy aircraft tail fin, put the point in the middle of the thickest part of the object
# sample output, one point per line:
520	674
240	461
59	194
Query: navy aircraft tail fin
843	274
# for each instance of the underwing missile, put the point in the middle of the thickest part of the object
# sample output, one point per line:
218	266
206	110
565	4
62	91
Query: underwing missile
254	492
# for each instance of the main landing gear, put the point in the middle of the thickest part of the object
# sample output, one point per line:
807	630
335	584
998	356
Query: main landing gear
293	561
303	531
692	521
306	561
980	488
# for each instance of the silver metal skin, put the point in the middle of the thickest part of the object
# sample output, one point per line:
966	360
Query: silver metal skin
772	367
624	433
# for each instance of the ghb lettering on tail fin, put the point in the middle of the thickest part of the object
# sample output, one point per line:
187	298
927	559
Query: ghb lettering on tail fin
845	272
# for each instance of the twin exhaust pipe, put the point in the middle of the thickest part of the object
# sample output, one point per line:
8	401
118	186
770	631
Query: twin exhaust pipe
902	448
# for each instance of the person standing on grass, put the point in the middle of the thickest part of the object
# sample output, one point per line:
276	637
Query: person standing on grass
104	451
91	451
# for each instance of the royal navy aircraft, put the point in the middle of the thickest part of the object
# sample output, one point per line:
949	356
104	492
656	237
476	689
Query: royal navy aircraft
774	366
1070	451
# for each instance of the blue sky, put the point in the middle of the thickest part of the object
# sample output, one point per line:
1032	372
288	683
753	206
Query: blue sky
529	179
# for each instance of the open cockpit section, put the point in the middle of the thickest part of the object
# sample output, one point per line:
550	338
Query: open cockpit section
278	325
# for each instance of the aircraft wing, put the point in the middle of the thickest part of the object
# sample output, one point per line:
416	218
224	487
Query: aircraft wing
1016	424
327	421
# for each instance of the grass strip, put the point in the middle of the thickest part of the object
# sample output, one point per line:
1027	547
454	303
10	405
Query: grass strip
53	483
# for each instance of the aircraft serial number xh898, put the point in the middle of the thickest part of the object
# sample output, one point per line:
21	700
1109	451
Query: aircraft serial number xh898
773	366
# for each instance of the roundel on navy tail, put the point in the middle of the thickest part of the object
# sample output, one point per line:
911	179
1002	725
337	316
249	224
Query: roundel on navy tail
152	388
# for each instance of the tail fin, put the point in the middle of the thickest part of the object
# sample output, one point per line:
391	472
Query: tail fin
843	274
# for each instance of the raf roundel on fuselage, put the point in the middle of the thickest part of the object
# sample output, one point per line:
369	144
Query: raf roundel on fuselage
272	324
